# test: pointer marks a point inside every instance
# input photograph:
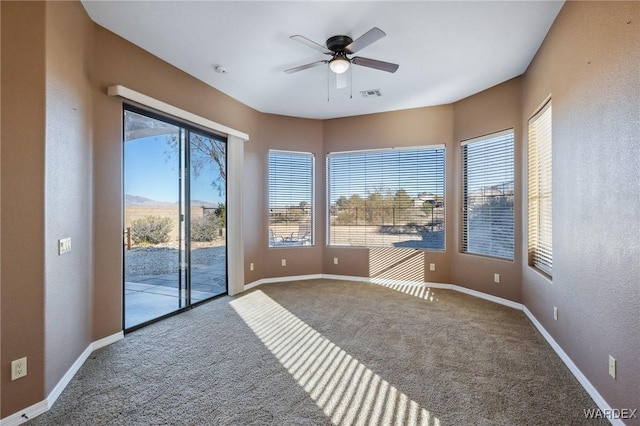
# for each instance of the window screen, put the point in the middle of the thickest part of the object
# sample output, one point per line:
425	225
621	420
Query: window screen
487	195
540	191
387	198
291	187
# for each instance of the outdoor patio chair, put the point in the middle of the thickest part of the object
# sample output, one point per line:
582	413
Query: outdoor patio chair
302	237
275	240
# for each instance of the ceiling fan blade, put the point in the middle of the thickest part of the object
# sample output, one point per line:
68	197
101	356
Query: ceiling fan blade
311	44
341	80
371	36
374	63
305	67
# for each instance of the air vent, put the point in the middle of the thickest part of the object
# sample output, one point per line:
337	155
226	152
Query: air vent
373	93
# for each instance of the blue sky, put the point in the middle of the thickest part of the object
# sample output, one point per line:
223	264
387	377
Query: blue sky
152	171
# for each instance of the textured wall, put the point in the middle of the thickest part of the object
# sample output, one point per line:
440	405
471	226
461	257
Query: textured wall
120	62
589	64
415	127
68	189
289	134
22	168
490	111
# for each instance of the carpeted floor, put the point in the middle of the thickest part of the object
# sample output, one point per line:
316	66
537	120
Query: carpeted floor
328	352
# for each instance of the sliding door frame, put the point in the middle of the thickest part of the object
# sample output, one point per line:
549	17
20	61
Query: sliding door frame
184	201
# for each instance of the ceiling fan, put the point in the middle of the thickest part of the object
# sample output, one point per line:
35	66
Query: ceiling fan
339	46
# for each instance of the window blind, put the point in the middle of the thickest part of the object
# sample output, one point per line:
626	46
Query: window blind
291	188
540	246
387	198
488	190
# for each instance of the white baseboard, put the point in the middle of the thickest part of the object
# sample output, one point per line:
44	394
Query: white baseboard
489	297
43	406
26	414
586	384
36	409
591	390
55	393
282	279
106	341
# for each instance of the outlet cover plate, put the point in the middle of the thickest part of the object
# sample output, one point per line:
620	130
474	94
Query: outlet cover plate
64	246
18	368
612	366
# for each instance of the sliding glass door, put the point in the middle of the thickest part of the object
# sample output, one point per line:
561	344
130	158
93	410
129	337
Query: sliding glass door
174	216
208	216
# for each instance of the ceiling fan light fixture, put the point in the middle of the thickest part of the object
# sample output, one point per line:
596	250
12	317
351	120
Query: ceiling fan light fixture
339	64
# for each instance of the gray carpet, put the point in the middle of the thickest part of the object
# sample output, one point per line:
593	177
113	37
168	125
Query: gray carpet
328	352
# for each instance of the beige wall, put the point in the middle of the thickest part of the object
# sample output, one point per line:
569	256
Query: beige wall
23	202
415	127
490	111
289	134
120	62
68	189
590	65
588	62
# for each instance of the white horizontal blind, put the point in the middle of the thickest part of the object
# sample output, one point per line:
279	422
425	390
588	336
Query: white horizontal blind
540	191
291	188
387	198
488	188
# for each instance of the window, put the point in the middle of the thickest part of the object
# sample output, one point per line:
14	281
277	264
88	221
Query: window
539	202
387	198
291	188
487	195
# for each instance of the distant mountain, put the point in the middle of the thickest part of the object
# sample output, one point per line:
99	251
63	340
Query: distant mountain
200	203
137	200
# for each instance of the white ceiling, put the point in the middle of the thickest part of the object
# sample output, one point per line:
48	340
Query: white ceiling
446	50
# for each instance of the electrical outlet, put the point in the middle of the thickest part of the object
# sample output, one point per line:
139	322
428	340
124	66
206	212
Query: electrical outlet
64	246
612	366
335	260
432	267
496	278
251	266
18	368
284	262
555	313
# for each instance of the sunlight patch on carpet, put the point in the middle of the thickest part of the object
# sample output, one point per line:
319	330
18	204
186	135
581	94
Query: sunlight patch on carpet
418	290
347	391
401	270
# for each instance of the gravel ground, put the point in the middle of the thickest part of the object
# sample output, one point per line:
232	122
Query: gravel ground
160	260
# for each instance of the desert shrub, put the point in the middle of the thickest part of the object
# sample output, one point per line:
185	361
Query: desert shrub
151	230
346	217
205	228
221	214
